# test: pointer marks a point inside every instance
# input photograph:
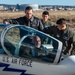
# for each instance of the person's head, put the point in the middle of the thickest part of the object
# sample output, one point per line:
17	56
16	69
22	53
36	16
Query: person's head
45	16
28	12
37	41
61	24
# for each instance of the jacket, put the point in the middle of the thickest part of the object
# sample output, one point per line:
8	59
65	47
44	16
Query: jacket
45	24
34	22
67	37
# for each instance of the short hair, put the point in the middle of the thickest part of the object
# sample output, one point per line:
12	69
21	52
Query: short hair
45	13
61	21
35	37
28	8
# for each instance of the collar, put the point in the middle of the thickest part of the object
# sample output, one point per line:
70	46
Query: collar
64	31
45	21
31	19
66	28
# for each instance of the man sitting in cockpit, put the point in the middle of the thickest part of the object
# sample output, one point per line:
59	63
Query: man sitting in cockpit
35	49
39	50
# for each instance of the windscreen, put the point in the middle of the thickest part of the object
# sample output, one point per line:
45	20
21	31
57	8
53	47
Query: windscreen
24	42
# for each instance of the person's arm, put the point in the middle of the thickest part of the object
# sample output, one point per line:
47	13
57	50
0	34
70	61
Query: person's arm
72	43
12	21
7	21
40	25
73	47
49	30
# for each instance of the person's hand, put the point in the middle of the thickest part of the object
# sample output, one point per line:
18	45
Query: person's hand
6	22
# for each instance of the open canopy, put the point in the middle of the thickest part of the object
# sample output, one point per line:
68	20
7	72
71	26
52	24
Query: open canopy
17	40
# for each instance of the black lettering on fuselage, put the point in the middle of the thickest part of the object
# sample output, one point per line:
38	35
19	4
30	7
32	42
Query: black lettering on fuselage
5	59
14	61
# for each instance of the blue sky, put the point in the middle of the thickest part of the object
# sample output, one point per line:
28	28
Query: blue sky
39	2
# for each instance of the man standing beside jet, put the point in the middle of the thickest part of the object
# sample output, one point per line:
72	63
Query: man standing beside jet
63	33
45	19
28	20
